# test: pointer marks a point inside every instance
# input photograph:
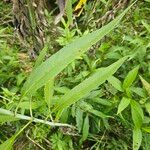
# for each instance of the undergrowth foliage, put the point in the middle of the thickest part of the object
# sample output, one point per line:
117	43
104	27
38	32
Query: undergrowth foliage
89	88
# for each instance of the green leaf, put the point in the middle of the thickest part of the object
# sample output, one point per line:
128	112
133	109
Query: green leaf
146	85
81	90
101	101
123	104
146	129
137	113
7	145
27	105
79	119
98	113
41	56
5	118
48	92
104	1
62	89
137	138
116	83
139	91
147	1
89	108
146	25
85	130
147	106
130	78
69	11
57	62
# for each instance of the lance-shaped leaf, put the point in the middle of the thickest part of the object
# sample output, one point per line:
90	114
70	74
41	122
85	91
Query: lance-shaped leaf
81	90
123	104
57	62
137	138
131	76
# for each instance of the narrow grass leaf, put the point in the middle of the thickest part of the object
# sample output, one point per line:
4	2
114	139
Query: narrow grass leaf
116	83
48	92
69	11
137	138
98	113
79	119
41	56
123	104
57	62
131	76
85	130
81	90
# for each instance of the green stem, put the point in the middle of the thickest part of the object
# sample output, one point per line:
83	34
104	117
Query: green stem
32	119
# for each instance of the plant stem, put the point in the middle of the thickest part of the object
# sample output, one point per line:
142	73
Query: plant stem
24	117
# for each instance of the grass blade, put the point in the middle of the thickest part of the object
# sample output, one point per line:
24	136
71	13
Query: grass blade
57	62
81	90
48	92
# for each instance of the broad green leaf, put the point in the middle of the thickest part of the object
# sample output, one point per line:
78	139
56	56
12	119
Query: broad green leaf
130	78
147	106
7	145
116	83
146	129
85	130
137	138
123	104
81	90
57	62
48	92
137	113
5	118
79	119
146	85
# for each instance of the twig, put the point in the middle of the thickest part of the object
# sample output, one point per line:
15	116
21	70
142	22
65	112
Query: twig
34	142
